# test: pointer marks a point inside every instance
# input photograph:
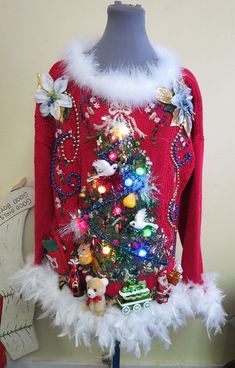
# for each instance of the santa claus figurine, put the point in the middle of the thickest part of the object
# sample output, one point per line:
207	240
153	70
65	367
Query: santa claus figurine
163	288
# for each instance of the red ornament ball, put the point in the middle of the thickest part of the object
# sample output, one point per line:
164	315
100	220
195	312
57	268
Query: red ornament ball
116	265
117	210
135	245
113	156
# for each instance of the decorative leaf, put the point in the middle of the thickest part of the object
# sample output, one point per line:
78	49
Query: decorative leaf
169	108
164	95
175	119
66	113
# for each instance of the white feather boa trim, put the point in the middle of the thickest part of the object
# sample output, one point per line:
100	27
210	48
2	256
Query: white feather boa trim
134	331
128	86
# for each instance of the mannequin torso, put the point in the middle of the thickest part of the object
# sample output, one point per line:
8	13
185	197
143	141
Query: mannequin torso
124	42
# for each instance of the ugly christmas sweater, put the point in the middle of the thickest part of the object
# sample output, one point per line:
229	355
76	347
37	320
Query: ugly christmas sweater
118	173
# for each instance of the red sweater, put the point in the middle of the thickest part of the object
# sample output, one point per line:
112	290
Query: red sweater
177	171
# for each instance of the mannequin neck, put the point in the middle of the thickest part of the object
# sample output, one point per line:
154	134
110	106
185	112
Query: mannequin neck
124	43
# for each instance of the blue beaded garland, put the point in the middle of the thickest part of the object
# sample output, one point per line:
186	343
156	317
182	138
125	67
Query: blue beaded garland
187	156
173	211
72	175
157	261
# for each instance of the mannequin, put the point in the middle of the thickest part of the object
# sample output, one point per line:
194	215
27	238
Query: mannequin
124	42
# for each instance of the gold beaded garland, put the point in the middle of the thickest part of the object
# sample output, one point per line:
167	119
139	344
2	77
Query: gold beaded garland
76	141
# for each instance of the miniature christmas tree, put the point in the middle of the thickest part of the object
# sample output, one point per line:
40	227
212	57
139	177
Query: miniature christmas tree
119	206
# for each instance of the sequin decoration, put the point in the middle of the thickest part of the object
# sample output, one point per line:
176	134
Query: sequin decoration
73	180
73	176
177	144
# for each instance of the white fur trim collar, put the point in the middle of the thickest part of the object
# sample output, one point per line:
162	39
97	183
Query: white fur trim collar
127	86
134	331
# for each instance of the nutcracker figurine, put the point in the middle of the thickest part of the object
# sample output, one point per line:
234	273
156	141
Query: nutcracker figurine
74	280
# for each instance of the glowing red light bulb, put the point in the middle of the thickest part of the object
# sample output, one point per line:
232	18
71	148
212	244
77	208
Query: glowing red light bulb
113	156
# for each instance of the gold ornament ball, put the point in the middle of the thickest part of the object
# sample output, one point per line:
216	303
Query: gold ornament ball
129	201
82	195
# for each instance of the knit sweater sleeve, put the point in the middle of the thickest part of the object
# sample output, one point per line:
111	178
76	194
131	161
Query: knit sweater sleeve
43	147
191	199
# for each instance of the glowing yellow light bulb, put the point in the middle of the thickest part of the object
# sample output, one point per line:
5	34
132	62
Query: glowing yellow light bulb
106	250
101	189
124	130
121	131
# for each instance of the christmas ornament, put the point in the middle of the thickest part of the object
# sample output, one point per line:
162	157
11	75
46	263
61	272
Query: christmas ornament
78	226
162	289
81	225
55	255
175	275
113	156
74	282
134	296
96	288
140	221
84	254
82	194
117	210
135	245
129	201
103	168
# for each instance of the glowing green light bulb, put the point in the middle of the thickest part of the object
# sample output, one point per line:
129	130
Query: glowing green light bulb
140	171
147	232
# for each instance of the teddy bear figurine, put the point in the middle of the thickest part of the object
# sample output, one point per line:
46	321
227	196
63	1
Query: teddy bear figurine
96	288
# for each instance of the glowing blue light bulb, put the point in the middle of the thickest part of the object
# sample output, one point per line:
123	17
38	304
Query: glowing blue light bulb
142	253
128	182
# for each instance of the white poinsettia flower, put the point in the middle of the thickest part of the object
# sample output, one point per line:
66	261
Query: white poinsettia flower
51	95
182	99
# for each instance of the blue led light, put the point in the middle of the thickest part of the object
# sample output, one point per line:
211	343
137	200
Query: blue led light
128	182
142	253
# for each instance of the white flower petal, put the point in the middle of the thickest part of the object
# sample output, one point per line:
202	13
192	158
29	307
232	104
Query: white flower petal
64	100
55	110
181	116
47	82
41	96
175	101
44	109
60	85
176	85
